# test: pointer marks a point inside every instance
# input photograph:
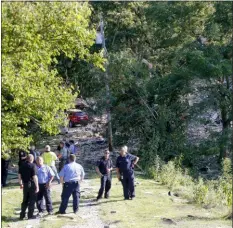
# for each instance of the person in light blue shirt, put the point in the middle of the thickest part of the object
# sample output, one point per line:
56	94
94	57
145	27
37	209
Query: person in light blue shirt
45	177
70	176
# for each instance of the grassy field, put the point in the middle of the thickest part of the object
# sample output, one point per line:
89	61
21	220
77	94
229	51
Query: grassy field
152	207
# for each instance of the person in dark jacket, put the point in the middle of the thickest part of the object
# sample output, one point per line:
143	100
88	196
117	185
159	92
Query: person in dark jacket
125	172
28	181
22	157
4	168
104	168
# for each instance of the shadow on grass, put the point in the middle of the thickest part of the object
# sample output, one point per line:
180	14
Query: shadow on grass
192	217
89	203
9	219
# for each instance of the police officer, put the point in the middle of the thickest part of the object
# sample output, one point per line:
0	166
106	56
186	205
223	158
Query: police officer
125	173
22	157
45	177
71	175
29	182
104	168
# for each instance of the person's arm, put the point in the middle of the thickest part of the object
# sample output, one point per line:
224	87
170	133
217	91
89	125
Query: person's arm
82	174
118	174
61	174
111	166
55	158
51	175
98	171
20	181
118	169
136	161
35	179
62	180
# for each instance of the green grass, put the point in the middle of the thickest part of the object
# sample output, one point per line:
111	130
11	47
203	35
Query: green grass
151	205
147	210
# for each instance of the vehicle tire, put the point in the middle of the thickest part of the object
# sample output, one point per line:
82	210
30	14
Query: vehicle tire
85	124
71	124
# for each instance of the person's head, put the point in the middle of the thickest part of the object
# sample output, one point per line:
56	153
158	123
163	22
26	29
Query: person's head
106	154
71	141
72	158
32	147
39	161
30	158
47	148
61	144
123	150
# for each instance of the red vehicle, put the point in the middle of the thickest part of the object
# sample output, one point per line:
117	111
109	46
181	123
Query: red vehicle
77	116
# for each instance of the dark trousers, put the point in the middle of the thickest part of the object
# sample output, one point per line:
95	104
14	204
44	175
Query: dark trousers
29	199
128	185
44	192
62	162
4	177
106	182
68	189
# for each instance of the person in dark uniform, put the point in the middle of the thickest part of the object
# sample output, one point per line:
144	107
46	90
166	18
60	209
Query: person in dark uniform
71	175
104	168
4	168
33	152
29	182
45	177
22	157
125	172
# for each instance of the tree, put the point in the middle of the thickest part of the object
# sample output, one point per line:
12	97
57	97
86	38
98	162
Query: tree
33	34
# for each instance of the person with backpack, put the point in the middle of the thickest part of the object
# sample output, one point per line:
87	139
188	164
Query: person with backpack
104	168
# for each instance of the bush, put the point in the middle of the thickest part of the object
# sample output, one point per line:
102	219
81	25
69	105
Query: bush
212	193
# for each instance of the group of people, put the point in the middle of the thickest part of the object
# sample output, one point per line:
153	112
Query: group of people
35	179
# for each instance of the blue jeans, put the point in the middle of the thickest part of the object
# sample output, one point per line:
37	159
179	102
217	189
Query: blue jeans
68	189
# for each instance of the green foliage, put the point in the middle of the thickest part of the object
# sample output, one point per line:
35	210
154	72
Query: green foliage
200	192
32	35
211	193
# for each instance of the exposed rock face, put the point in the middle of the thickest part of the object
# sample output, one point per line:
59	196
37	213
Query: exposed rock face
207	120
90	143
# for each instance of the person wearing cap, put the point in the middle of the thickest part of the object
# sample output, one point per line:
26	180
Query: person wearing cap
71	175
22	157
45	177
29	183
104	168
49	158
125	172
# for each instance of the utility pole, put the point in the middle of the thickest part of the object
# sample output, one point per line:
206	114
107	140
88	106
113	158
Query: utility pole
110	143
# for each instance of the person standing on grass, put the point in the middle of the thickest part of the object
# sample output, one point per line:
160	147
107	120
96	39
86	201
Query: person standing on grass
22	157
45	177
29	183
49	158
71	176
125	172
104	168
63	155
5	161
